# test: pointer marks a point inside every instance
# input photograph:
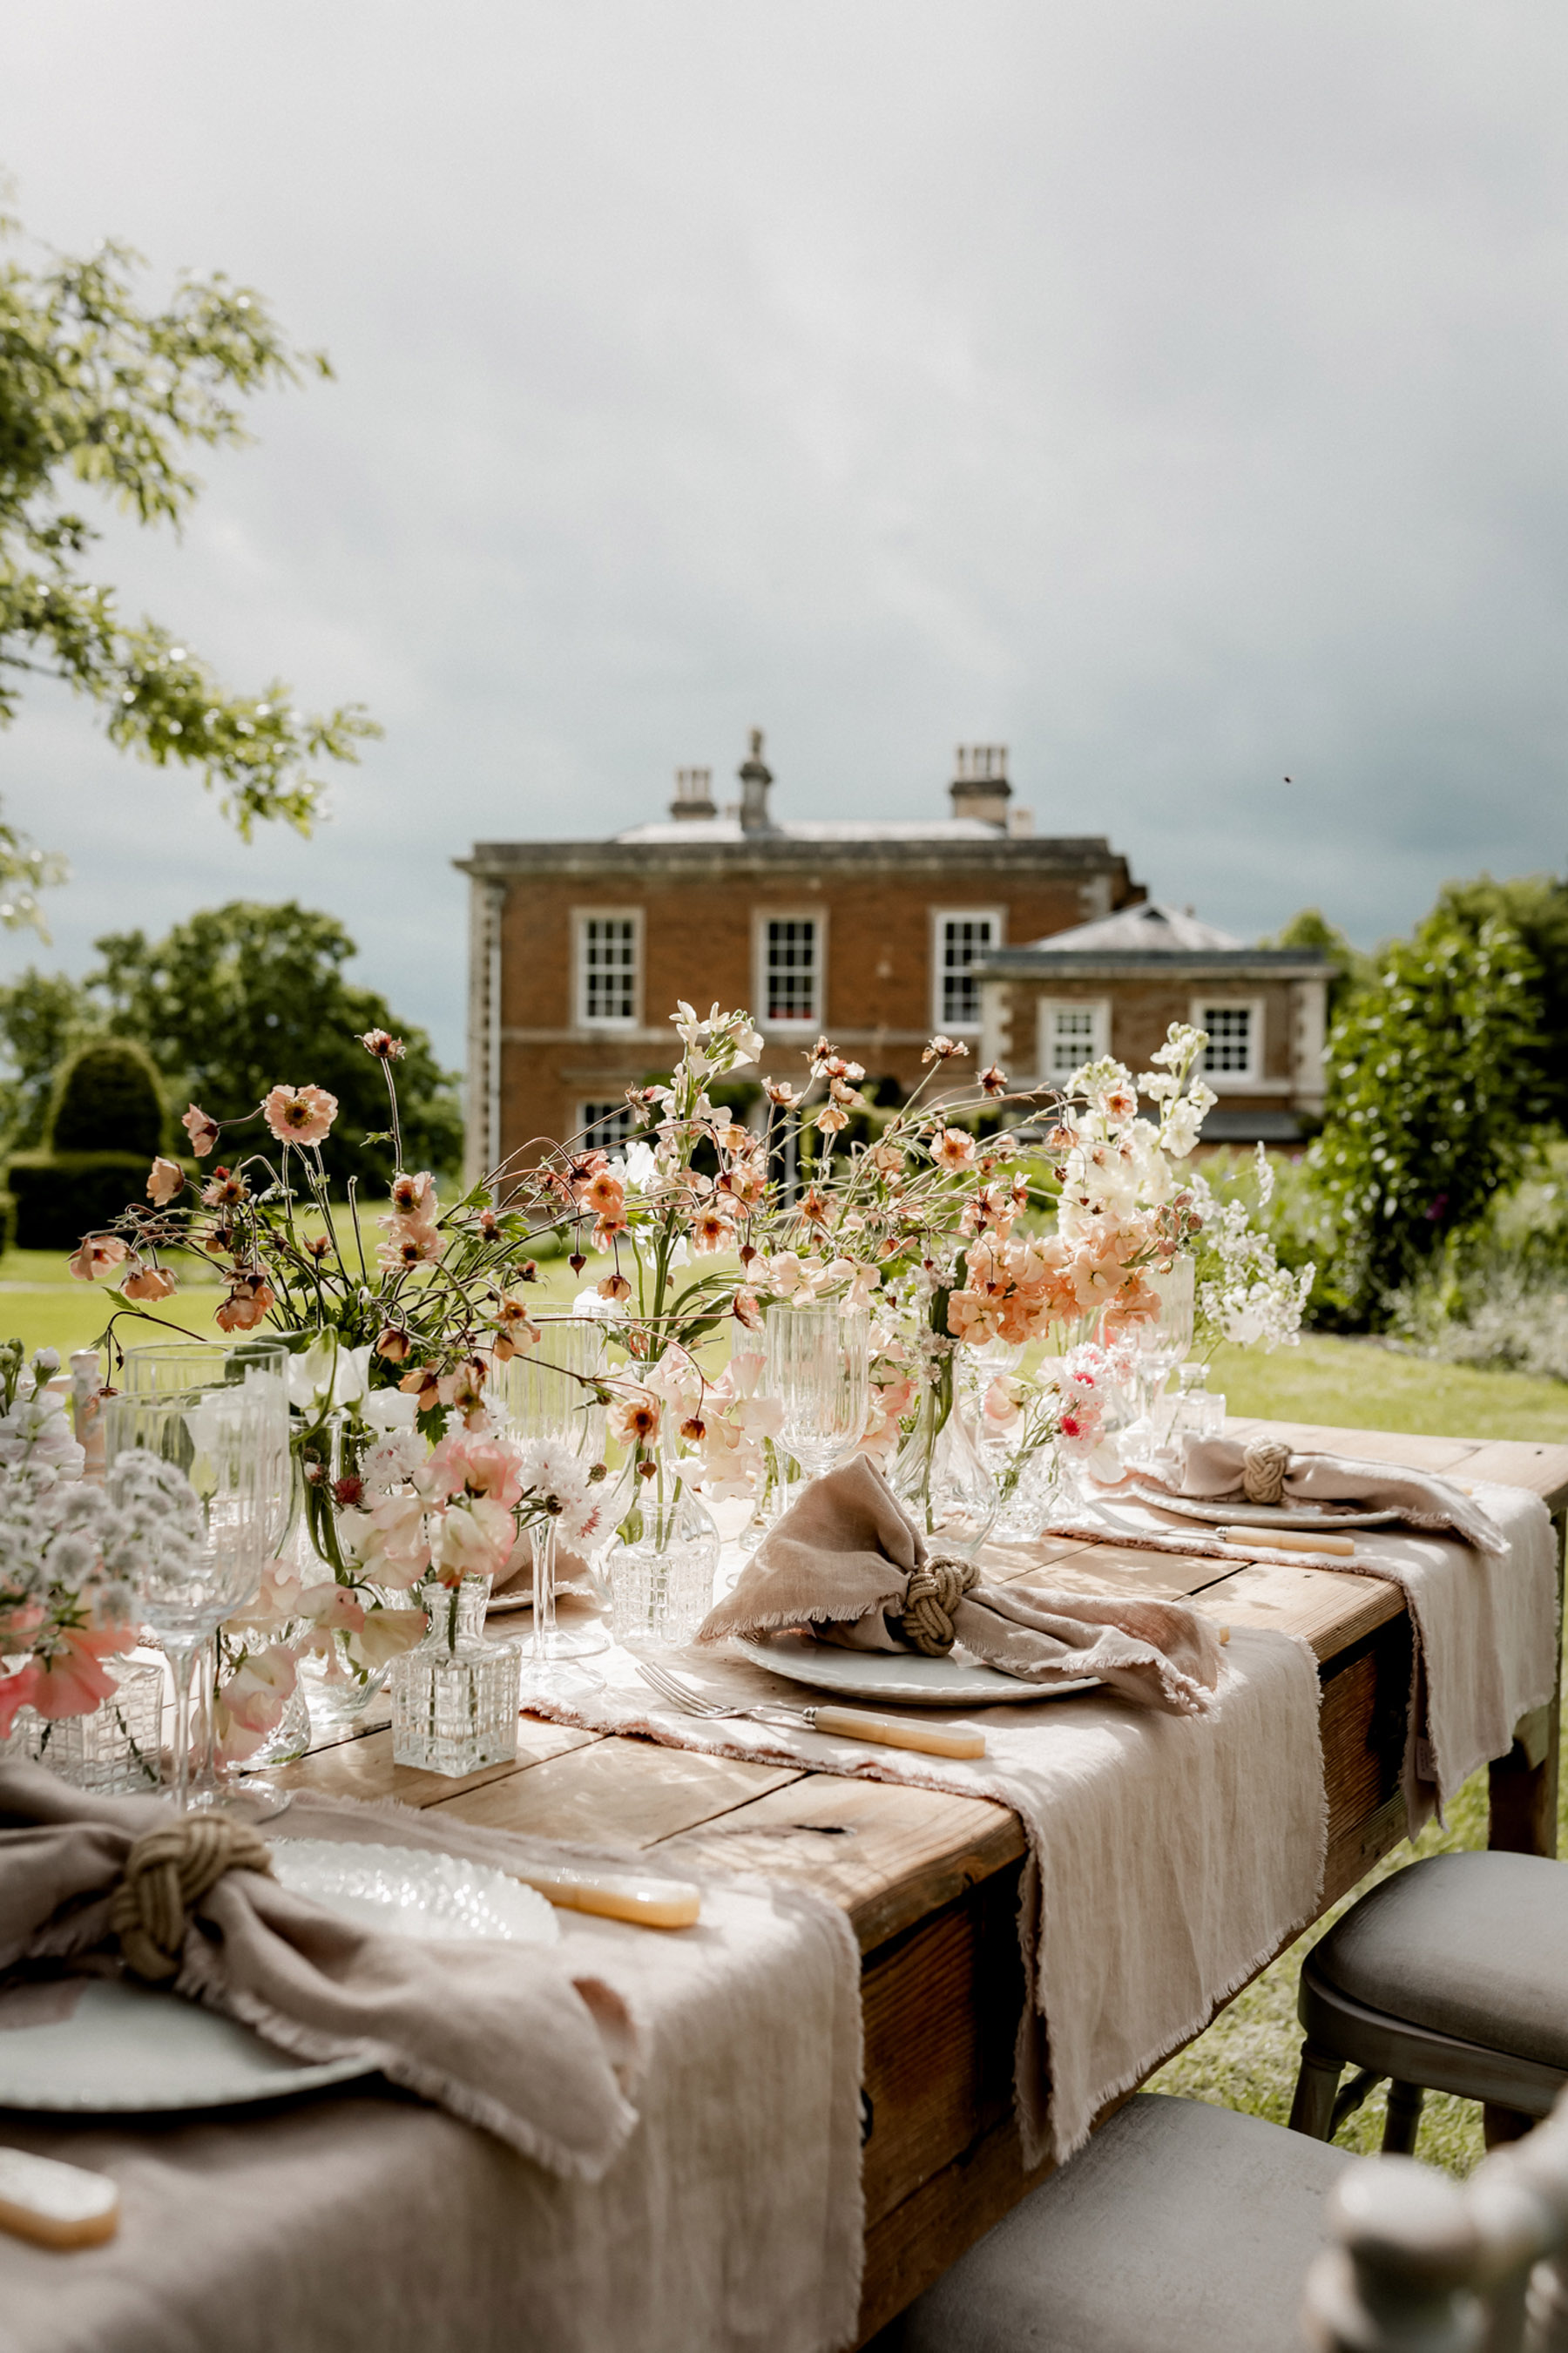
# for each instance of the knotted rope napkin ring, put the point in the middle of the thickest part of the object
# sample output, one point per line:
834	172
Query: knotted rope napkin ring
167	1872
1263	1468
935	1594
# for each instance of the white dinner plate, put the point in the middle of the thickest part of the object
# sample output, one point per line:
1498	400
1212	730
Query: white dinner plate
129	2049
898	1679
1257	1516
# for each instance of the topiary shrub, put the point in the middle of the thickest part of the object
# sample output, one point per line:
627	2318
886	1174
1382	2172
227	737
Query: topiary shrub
108	1099
61	1196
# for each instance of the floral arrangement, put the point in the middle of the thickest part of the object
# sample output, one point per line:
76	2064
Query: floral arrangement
971	1214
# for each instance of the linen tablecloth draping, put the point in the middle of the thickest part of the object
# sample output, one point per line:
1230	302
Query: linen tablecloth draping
1169	1856
1485	1621
730	2221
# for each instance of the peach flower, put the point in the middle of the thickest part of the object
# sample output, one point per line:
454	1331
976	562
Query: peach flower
414	1198
166	1178
71	1680
246	1303
300	1114
149	1283
203	1131
95	1254
954	1148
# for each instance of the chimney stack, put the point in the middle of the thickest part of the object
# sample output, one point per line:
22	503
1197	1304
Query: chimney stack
980	788
694	793
754	782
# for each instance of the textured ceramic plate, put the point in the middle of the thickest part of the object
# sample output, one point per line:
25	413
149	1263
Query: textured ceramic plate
1272	1515
126	2049
405	1892
896	1681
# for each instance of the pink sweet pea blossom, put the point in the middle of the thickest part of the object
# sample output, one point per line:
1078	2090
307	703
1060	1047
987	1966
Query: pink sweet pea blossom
250	1704
477	1539
466	1463
17	1691
71	1680
300	1114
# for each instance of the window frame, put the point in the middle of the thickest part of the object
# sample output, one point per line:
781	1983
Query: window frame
939	919
619	1108
790	1025
1098	1007
598	1022
1220	1000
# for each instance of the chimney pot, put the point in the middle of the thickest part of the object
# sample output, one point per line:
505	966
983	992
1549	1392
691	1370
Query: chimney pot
980	788
694	793
755	778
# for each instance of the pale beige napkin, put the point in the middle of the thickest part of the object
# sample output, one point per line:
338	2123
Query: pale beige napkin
504	2035
848	1563
731	2220
1262	1469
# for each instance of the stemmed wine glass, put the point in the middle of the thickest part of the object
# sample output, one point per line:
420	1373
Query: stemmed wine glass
547	1395
221	1441
818	1367
187	1370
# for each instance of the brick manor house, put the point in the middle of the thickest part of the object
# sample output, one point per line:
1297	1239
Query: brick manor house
1039	950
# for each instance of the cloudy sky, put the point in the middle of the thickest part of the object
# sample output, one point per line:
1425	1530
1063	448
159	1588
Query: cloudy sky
1172	390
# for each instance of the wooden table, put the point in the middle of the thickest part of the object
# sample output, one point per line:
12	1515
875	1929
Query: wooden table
930	1882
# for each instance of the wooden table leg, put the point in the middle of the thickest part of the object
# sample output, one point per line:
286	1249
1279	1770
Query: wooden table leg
1524	1783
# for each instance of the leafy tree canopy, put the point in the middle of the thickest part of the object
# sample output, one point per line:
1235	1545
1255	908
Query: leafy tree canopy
1433	1105
228	1004
1351	969
99	393
1536	907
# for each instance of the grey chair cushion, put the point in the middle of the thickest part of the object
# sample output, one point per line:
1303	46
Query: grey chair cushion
1181	2226
1474	1945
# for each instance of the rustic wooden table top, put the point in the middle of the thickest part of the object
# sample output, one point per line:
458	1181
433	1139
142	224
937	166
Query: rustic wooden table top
919	1873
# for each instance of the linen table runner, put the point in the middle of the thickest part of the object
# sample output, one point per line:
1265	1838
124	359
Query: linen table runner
1169	1856
731	2220
1484	1617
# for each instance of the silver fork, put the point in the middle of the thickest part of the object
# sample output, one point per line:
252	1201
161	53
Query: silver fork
837	1722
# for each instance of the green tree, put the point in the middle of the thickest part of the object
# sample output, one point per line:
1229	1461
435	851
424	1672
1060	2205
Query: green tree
43	1016
1433	1105
243	996
99	393
1536	907
1353	970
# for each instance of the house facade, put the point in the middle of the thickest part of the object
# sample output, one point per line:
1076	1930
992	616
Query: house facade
870	932
1114	986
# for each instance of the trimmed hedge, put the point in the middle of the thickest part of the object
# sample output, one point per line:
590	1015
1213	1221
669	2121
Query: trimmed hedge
108	1099
61	1196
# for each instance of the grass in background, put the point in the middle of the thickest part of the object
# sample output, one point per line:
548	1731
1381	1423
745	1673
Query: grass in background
1361	1386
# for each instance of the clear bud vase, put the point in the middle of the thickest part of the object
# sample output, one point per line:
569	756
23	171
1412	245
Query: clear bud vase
455	1695
939	1475
117	1750
663	1562
1038	1490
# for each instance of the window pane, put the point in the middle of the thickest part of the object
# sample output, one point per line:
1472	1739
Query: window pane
609	968
1230	1037
791	974
964	940
1071	1039
604	1125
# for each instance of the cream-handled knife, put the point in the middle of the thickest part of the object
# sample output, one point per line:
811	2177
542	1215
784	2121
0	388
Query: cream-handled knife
647	1901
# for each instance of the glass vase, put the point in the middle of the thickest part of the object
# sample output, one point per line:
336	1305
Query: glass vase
117	1751
939	1474
662	1565
455	1695
1037	1491
337	1685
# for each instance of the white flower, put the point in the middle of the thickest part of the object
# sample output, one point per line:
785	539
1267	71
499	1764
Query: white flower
389	1409
327	1375
393	1462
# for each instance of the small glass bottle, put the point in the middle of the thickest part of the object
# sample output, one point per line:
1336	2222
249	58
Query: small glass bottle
455	1695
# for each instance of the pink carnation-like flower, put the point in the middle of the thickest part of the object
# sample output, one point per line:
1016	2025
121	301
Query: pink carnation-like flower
203	1131
300	1114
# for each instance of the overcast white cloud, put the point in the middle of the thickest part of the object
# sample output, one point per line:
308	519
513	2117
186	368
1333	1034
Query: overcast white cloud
1171	389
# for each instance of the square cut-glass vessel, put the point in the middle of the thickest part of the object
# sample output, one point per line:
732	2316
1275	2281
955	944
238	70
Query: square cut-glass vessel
455	1695
115	1752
